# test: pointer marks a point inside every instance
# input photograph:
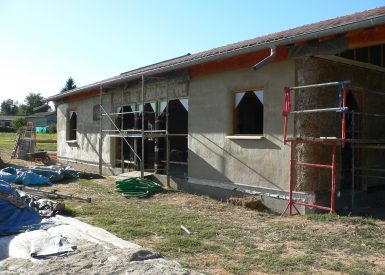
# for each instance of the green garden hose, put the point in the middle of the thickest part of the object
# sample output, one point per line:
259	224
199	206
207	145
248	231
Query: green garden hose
137	187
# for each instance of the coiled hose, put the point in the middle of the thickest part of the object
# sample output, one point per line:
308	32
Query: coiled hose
137	187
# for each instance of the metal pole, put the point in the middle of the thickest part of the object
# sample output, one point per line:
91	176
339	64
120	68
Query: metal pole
120	133
334	109
347	82
343	122
121	141
142	162
101	133
353	161
167	142
333	189
292	145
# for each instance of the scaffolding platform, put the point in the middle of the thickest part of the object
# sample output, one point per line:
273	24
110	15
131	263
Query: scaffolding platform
132	174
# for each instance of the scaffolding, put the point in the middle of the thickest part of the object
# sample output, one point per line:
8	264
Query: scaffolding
138	134
352	134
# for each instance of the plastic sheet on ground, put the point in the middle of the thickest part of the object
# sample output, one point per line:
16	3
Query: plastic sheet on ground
56	173
41	175
97	252
52	245
74	231
23	176
15	216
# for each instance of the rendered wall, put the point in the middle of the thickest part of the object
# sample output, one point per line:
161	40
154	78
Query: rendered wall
86	147
216	159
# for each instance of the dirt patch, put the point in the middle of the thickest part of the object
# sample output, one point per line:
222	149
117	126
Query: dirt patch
94	259
247	202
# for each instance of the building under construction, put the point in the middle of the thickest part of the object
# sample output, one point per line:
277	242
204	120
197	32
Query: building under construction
296	116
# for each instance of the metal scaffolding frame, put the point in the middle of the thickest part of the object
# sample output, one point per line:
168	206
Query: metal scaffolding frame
355	141
137	134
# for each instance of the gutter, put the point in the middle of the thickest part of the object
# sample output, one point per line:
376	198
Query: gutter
247	49
264	61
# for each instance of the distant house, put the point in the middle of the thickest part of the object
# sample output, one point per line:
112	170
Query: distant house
6	120
42	119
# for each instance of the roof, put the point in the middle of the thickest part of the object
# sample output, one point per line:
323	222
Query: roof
337	25
42	114
9	117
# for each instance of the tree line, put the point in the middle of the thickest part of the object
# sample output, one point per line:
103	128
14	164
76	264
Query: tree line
32	102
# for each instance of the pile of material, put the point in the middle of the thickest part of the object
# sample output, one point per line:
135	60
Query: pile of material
1	163
16	215
37	175
96	251
137	187
60	244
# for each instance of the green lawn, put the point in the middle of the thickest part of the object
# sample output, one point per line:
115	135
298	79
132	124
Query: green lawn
7	141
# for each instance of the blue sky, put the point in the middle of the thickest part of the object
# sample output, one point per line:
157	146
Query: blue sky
43	42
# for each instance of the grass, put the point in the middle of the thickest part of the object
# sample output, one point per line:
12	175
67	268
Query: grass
226	238
7	141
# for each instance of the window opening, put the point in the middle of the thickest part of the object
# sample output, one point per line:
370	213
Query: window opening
248	112
72	126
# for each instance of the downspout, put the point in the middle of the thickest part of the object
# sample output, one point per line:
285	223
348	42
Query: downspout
264	61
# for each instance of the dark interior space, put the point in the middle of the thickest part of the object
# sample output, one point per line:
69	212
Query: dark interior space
125	122
353	131
155	148
248	114
73	126
177	124
128	118
374	55
149	117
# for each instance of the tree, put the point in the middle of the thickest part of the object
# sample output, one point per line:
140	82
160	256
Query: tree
70	85
9	107
32	101
22	110
19	122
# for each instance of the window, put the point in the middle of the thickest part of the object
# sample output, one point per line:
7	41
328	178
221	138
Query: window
248	112
72	127
96	112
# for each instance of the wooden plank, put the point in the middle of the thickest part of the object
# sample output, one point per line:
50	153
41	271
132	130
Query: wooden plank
367	37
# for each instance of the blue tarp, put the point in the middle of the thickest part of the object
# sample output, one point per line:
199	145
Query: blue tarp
15	219
12	175
38	175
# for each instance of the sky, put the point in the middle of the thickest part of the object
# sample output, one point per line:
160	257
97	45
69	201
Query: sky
44	42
